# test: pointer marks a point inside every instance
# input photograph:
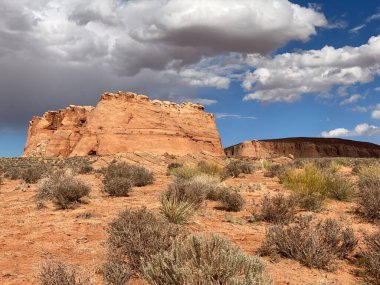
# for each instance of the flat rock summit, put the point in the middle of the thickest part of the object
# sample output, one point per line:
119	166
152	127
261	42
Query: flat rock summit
122	123
303	148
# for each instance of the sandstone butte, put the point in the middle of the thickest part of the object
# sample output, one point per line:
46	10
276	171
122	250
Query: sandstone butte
304	147
123	123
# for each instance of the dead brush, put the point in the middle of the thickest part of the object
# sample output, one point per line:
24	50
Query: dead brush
59	273
313	243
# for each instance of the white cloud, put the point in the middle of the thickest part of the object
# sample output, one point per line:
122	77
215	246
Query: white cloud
357	28
359	109
286	77
377	89
373	17
352	99
233	116
376	112
359	130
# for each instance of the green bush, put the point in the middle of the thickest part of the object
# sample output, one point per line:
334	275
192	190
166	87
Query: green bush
277	209
118	186
137	235
237	167
209	168
313	244
340	188
63	189
371	258
185	172
138	175
206	261
309	185
59	273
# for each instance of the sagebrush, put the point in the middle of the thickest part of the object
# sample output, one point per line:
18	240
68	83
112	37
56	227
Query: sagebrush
313	243
208	261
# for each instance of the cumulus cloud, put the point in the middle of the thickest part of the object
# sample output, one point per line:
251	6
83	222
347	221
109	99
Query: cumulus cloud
359	130
286	77
53	53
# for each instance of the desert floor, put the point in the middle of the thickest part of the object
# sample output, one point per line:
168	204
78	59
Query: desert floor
29	235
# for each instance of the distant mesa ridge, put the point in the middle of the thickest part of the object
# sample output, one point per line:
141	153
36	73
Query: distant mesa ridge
303	147
123	122
126	122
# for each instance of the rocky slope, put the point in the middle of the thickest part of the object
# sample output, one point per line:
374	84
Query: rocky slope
123	123
304	147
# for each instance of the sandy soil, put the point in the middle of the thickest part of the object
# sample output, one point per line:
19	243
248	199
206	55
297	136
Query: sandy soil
29	235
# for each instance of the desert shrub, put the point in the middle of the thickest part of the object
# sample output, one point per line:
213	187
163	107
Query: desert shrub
278	170
315	244
32	174
139	175
369	176
185	172
309	185
277	209
360	163
134	235
339	187
59	273
371	258
369	200
231	200
85	169
192	192
237	167
118	186
63	189
176	211
172	166
208	261
210	168
116	272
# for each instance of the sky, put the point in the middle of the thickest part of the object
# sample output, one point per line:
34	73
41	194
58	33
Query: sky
265	68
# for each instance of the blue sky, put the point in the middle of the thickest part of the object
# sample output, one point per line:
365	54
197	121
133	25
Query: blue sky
257	91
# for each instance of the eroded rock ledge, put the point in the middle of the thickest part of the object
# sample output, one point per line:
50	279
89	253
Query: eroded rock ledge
122	123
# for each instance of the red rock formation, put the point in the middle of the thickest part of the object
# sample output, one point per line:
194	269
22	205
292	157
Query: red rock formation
304	147
122	123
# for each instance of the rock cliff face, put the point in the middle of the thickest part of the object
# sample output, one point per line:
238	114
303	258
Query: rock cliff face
304	147
122	123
